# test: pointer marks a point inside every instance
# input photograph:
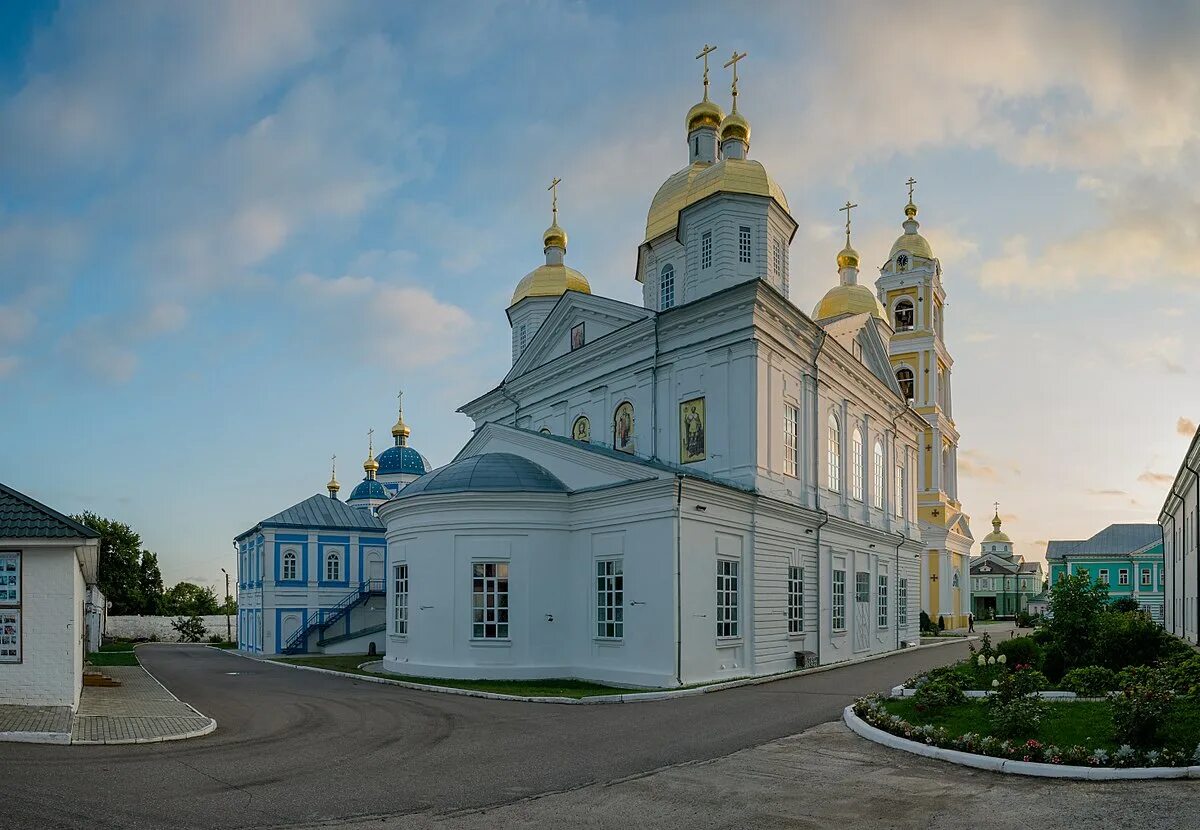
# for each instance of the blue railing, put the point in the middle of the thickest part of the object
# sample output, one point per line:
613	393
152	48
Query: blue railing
299	640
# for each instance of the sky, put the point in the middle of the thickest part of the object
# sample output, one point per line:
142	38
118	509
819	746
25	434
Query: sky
231	232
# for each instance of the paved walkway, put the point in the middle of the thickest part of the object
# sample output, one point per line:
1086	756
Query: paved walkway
36	724
140	710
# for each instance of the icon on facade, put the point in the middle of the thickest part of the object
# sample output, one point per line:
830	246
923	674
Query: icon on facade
691	431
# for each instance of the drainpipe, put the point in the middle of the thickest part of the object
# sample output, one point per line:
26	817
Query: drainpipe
820	614
654	396
900	536
816	480
1196	538
678	581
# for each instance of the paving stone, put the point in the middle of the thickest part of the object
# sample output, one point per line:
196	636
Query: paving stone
35	719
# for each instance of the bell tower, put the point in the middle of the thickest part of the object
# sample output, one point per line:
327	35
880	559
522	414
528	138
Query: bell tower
911	292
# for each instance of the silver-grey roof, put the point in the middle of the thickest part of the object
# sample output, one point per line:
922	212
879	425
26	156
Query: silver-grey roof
321	513
492	472
1114	540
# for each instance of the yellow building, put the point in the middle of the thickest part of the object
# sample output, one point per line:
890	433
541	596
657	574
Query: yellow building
910	290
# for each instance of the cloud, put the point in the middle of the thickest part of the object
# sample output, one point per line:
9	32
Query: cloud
8	363
1161	354
1185	427
974	464
15	323
1092	492
979	337
107	345
1156	479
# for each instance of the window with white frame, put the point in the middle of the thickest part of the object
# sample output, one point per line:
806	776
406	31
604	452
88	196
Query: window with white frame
744	244
904	315
1146	576
1104	575
902	601
666	287
289	564
333	567
400	606
795	600
610	599
839	600
791	446
881	601
856	464
862	586
899	488
777	257
706	250
489	600
834	452
727	598
877	475
1123	576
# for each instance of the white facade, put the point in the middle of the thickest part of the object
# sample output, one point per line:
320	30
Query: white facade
1180	518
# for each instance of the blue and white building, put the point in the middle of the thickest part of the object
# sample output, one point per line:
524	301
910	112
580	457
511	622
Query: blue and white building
311	577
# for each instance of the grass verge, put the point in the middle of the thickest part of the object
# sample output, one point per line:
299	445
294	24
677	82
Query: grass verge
113	657
553	687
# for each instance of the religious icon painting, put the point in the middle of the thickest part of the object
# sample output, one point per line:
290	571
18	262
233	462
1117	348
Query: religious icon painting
623	427
576	336
582	429
691	431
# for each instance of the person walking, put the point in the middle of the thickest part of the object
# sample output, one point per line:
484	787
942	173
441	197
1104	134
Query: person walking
970	623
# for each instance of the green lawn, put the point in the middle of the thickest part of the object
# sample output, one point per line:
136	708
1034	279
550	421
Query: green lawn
113	657
1085	723
526	688
117	645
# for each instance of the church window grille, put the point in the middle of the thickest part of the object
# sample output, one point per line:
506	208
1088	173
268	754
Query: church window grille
333	567
289	565
902	601
666	288
907	381
489	601
400	609
791	446
881	603
706	250
610	599
1104	575
744	244
839	600
784	276
877	475
795	600
899	506
1123	576
523	338
856	465
904	315
727	598
1145	576
834	453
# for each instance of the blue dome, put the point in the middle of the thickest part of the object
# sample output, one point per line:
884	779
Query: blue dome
395	460
369	488
497	471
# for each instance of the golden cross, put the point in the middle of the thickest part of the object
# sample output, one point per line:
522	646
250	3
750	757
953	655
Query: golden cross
553	188
704	54
734	62
400	400
333	466
911	181
371	442
996	505
848	207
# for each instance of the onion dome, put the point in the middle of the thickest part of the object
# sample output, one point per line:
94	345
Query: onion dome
333	485
370	466
910	241
997	535
735	126
847	257
369	488
554	237
554	278
842	300
706	114
699	181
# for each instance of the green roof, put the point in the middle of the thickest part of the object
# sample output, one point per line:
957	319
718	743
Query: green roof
24	518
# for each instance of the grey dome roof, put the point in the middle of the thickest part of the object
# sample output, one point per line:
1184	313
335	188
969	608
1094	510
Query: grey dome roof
495	472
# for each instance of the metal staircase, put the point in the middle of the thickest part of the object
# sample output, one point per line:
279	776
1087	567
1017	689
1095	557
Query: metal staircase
298	642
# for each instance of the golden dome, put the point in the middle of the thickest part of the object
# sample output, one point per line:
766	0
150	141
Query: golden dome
400	429
550	281
997	535
554	237
333	485
370	465
848	299
914	244
847	257
735	125
704	114
699	181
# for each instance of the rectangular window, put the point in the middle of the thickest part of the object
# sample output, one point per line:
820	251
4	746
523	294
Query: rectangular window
862	586
610	599
706	249
727	598
1104	575
744	244
877	475
902	601
666	289
791	446
839	600
524	338
881	604
783	274
1146	576
899	506
10	606
1123	576
489	601
856	464
400	609
795	600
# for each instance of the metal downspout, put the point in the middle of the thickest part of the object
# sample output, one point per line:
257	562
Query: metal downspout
1196	539
678	581
898	546
654	396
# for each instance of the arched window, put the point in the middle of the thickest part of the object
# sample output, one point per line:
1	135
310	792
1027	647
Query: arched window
289	564
835	453
333	567
877	475
904	315
907	381
856	464
582	429
666	287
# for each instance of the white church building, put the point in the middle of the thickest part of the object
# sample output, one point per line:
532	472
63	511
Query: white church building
709	485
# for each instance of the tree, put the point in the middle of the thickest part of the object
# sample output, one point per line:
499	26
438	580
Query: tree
1125	604
187	598
120	560
1077	604
229	607
191	629
150	584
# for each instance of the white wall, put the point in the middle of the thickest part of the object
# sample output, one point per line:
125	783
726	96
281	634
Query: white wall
143	628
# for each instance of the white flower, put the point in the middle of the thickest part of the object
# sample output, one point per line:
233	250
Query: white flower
991	661
1002	659
995	684
982	660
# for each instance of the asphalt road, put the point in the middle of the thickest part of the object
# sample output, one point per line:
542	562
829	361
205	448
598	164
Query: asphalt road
297	747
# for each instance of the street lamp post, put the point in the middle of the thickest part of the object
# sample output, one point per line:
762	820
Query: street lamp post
228	627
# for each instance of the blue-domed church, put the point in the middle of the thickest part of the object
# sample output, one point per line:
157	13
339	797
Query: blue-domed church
311	577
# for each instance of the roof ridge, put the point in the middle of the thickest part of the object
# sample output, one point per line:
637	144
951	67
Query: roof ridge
83	530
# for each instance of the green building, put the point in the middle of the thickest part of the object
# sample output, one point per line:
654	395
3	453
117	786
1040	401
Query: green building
1128	557
1002	583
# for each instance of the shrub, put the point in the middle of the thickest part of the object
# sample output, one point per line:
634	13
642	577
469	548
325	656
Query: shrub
1090	681
215	638
1128	639
941	623
937	693
1077	604
1140	711
1124	604
191	629
1024	619
1024	650
1184	676
1016	718
1054	663
1019	683
926	623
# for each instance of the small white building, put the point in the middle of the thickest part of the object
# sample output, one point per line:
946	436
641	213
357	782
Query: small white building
48	562
1180	523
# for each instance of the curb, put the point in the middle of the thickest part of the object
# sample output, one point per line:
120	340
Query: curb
902	691
632	697
985	762
36	737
